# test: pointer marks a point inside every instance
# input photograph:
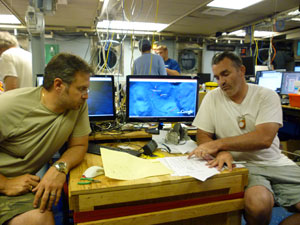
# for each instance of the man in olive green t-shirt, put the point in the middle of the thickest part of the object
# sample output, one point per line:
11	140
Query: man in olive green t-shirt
34	124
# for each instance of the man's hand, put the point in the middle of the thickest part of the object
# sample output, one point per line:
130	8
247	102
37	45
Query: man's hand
205	150
48	191
222	158
20	185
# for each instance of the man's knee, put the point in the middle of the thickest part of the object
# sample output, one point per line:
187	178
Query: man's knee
259	200
33	217
45	218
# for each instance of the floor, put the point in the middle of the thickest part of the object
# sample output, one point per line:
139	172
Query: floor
278	214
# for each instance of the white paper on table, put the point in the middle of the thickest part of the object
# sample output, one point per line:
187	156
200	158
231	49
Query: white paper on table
194	167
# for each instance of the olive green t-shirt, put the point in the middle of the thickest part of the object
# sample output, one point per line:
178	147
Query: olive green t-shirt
30	134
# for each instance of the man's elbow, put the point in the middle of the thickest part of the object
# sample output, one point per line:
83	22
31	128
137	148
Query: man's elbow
267	142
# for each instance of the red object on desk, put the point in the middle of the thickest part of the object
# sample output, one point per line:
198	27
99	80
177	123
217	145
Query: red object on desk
294	100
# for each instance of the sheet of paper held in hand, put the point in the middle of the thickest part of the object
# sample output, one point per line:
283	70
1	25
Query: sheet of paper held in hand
123	166
194	167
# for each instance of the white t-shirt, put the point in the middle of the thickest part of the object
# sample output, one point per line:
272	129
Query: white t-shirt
220	115
17	62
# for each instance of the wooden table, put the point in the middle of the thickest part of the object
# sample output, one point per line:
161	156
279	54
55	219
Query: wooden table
160	199
123	135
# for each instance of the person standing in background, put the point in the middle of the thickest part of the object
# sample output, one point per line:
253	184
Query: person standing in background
172	66
148	63
15	63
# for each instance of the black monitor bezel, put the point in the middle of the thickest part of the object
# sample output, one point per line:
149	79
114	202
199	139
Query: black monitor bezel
94	118
36	79
164	119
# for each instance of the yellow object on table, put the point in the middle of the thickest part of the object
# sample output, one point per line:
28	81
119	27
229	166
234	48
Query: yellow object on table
210	86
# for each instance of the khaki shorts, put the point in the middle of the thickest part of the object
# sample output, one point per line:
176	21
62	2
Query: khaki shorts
282	181
11	206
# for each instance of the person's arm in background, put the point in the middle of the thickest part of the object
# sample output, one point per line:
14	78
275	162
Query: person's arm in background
53	181
10	83
172	72
175	71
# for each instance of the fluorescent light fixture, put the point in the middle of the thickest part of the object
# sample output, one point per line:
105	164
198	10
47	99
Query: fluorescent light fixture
294	13
9	19
125	32
296	19
233	4
130	26
257	33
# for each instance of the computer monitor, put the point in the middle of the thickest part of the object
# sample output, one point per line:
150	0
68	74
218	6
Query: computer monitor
101	101
248	62
203	77
297	69
161	98
39	80
288	80
270	79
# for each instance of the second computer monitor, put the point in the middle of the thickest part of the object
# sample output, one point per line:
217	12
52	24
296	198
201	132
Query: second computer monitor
288	82
161	98
101	101
270	79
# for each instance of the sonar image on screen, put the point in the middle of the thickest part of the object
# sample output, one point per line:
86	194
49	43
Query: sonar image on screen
162	98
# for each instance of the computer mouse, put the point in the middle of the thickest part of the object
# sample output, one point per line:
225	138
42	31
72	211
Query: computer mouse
93	171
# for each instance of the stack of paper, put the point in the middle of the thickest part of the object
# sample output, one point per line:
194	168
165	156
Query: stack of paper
123	166
194	167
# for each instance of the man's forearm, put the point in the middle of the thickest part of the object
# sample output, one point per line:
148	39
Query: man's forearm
73	156
203	137
243	143
172	72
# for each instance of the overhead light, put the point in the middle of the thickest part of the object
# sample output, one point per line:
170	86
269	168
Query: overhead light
233	4
294	13
296	19
9	19
131	26
257	33
126	32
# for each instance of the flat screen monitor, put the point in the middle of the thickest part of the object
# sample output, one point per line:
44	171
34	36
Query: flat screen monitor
297	69
288	80
248	62
39	80
270	79
161	98
203	77
101	101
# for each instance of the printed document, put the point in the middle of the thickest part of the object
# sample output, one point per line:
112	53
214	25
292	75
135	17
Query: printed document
194	167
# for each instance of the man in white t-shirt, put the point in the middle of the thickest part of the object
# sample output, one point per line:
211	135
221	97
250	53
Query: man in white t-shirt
15	63
240	121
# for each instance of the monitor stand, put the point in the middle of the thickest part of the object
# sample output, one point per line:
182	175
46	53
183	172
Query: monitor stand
156	129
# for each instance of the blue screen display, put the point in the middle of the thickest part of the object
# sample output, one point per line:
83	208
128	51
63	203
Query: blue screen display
165	99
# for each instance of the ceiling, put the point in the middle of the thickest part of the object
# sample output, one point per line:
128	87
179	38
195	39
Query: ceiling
185	17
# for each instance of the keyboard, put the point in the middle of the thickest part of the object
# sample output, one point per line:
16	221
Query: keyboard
285	101
95	149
